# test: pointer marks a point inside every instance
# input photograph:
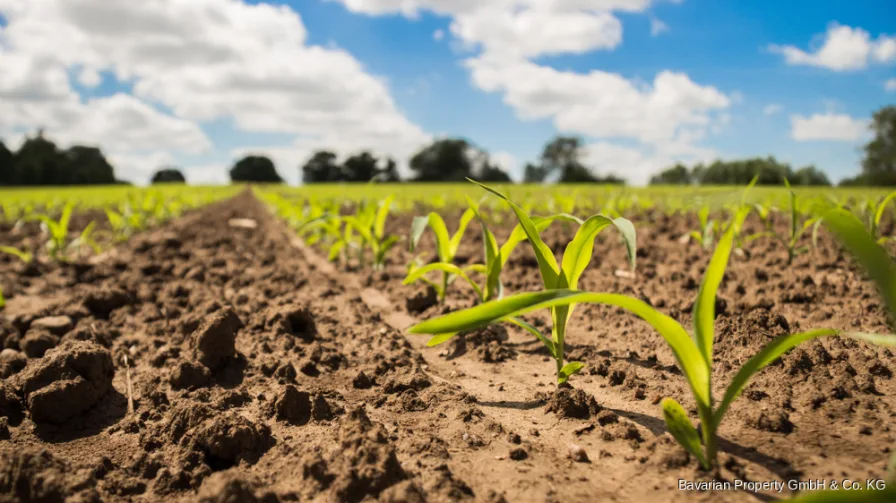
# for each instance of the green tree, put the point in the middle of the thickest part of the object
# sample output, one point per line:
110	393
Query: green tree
321	167
359	168
38	162
255	168
810	175
879	164
168	175
445	160
7	166
676	175
741	172
534	173
85	166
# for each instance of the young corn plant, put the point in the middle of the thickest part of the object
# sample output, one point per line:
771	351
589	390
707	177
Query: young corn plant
370	224
22	255
797	229
446	248
58	231
693	355
2	299
555	277
706	233
495	257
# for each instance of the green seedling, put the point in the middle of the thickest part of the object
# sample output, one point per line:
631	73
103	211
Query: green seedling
446	247
22	255
797	229
706	233
693	355
495	258
576	257
370	224
58	231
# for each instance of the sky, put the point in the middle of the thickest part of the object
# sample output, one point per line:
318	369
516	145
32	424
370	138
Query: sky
644	83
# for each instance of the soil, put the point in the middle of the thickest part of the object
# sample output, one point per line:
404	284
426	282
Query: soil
209	362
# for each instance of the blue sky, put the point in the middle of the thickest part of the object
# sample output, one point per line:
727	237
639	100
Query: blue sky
793	79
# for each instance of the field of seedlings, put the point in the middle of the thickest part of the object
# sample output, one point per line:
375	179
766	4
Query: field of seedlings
411	343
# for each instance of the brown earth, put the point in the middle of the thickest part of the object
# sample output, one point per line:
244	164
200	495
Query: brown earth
257	371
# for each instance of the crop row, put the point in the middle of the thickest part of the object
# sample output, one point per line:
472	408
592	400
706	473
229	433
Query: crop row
114	215
855	221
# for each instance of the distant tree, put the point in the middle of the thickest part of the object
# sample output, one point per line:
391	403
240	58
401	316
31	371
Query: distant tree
676	175
563	155
741	172
168	175
7	166
861	180
360	167
85	166
254	168
810	175
879	164
321	167
492	173
534	174
38	162
445	160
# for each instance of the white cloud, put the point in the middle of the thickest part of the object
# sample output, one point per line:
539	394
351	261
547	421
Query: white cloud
841	48
203	60
657	27
772	109
438	34
600	104
665	118
890	85
828	126
520	27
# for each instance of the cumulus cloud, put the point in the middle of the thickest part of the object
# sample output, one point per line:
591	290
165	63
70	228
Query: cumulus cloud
202	60
827	126
890	85
665	119
841	48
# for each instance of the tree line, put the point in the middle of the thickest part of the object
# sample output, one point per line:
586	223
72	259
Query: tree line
40	162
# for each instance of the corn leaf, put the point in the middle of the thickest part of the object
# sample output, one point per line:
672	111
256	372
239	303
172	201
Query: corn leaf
686	352
568	370
465	219
705	306
379	224
443	267
22	255
682	430
547	264
879	214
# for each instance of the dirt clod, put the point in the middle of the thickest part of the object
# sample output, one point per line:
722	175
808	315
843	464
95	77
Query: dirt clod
293	405
214	342
572	403
67	381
